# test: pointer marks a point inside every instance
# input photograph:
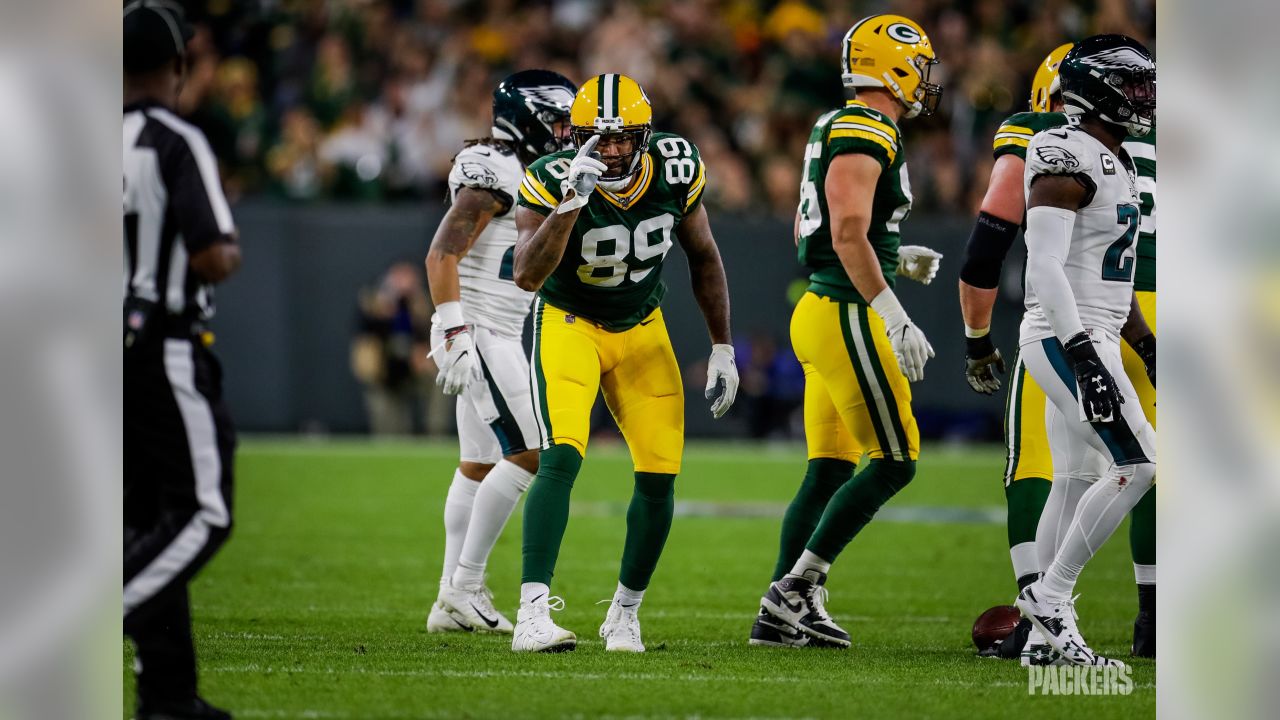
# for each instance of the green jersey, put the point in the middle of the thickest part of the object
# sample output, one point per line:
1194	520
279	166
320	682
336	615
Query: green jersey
854	128
1016	132
1143	152
612	265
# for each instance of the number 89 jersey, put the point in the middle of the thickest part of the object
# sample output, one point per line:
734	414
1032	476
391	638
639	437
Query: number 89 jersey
612	264
1100	262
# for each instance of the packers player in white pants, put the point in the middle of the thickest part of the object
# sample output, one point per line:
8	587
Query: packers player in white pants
476	339
1082	224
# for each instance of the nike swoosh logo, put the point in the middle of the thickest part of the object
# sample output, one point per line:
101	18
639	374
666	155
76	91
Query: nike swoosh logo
646	322
491	623
793	607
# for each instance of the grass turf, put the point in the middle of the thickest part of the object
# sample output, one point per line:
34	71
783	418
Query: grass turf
316	606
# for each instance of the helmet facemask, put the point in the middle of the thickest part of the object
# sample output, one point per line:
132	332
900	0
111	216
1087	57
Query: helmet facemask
927	95
621	167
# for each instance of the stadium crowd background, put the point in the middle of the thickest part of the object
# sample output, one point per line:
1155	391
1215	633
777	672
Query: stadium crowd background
368	100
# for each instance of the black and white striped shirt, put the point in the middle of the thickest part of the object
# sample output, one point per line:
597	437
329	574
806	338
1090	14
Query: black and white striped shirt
173	208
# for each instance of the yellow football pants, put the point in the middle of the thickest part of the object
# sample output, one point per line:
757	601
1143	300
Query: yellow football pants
856	400
573	360
1024	431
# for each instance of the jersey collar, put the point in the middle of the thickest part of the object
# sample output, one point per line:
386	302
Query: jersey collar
629	198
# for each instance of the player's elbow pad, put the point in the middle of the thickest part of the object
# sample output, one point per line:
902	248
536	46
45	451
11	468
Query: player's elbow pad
984	254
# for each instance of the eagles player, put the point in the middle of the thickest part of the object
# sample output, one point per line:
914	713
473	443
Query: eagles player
1029	465
854	195
476	333
1082	223
595	227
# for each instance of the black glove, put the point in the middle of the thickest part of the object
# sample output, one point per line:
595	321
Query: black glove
1146	349
982	361
1099	398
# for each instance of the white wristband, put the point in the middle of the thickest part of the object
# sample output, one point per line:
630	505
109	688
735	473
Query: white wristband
889	309
973	333
450	314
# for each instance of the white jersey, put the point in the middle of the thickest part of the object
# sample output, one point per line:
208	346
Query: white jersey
1101	260
490	297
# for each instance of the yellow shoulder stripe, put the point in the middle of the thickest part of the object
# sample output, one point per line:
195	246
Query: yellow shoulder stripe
699	183
858	120
1020	142
864	135
540	189
530	198
1016	129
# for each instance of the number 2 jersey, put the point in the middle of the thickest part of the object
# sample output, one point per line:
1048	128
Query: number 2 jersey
854	128
1102	256
612	265
489	294
1015	135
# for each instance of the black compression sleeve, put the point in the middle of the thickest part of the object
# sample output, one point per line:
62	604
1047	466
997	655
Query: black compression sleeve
985	251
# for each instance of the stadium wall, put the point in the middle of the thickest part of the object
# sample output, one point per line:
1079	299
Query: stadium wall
284	324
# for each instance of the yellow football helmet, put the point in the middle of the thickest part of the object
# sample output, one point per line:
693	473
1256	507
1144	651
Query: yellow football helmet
609	104
891	52
1045	83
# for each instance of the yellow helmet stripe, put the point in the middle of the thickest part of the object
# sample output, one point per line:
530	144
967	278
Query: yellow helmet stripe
865	135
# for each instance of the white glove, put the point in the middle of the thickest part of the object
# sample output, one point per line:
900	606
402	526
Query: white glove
918	263
584	172
722	380
456	356
909	343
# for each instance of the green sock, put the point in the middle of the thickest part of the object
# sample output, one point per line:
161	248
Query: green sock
1025	501
822	479
648	522
854	504
1142	537
546	511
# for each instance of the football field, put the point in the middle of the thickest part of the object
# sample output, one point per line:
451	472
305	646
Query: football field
316	606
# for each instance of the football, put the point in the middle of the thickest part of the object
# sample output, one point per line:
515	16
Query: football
994	625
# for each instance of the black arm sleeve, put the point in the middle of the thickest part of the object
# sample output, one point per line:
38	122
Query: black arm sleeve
985	251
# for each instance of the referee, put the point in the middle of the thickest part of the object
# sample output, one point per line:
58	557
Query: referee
179	443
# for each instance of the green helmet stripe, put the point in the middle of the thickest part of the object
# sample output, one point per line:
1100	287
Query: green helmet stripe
600	83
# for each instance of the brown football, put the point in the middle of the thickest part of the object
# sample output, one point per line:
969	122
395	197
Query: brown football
994	625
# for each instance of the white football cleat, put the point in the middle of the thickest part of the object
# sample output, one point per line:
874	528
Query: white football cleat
1038	651
442	621
535	631
1056	619
474	608
621	628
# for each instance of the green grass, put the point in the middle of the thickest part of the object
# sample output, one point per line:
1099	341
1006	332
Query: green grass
316	606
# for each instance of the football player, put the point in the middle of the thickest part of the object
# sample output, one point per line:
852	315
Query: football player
1029	466
854	195
595	227
476	334
1083	215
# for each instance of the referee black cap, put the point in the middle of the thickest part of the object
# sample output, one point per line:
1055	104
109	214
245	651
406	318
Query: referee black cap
155	32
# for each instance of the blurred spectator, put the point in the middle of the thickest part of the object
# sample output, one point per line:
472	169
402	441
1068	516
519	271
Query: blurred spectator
322	83
772	384
389	354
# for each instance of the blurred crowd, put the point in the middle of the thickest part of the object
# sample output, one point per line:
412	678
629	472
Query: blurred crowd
370	99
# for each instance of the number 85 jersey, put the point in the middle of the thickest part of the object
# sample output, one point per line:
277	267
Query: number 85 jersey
1100	262
612	265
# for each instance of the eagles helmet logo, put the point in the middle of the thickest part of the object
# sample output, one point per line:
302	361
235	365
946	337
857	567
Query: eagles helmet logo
903	33
479	174
554	95
1054	155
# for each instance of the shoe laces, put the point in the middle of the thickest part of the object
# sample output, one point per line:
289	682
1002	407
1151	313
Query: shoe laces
818	600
